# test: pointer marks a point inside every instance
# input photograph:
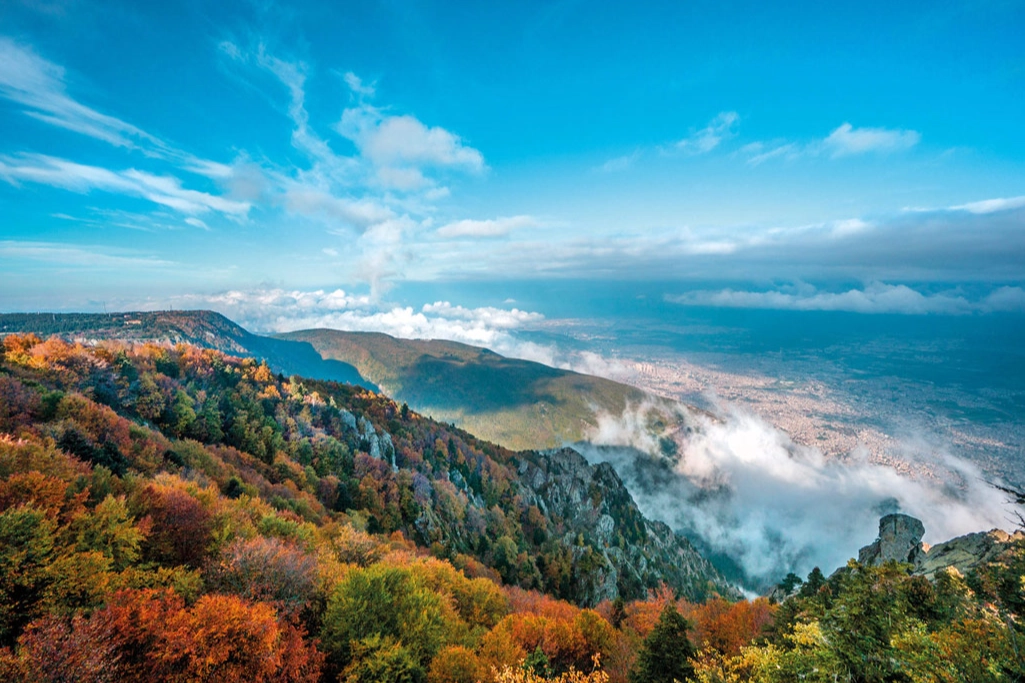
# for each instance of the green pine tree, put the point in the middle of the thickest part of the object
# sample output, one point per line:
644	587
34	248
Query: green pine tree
666	654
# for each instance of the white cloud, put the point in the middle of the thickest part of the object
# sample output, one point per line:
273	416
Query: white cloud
844	141
850	226
357	85
847	140
355	191
619	163
1005	300
383	253
76	255
877	297
436	193
497	227
163	190
494	317
39	85
280	310
401	147
311	202
293	76
745	489
209	169
787	150
708	138
404	139
991	205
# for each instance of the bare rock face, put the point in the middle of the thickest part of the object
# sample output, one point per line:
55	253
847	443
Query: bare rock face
614	549
964	553
900	539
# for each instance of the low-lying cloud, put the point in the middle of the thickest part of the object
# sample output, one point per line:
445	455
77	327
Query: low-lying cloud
876	297
754	499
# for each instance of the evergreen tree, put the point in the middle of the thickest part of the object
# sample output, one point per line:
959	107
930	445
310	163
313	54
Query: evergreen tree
666	654
618	611
816	580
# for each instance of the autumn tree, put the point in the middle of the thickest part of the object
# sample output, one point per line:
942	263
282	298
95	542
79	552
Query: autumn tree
267	569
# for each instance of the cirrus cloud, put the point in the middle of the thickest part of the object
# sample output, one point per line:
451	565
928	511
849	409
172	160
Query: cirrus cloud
708	138
163	190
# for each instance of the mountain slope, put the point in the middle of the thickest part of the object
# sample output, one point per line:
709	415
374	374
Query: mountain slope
319	449
205	329
517	403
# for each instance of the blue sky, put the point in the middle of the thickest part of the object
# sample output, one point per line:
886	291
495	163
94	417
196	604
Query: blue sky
160	153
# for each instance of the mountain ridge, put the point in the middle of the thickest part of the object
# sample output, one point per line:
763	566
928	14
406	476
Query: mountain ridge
203	328
515	402
568	520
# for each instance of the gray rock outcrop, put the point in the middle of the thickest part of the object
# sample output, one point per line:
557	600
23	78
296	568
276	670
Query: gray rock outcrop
900	539
965	553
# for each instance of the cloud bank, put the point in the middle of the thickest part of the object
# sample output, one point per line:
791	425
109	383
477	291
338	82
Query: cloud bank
877	297
279	310
980	242
765	505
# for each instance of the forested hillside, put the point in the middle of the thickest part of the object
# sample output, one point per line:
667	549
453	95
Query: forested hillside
517	403
514	402
172	513
205	329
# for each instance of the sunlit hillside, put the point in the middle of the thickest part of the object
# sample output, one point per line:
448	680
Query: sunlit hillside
517	403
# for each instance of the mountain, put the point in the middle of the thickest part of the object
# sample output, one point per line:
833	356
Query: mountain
322	448
516	403
205	329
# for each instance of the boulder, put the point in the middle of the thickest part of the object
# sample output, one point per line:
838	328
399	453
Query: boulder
900	539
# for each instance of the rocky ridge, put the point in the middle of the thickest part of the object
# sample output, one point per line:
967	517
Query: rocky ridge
900	539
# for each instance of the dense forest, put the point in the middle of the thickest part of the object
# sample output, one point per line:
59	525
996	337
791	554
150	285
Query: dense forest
173	513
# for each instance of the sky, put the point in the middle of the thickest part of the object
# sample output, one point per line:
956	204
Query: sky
318	160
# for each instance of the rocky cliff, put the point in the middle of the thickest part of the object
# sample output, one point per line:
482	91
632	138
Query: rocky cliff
620	550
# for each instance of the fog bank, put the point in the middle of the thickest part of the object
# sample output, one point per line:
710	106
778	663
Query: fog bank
762	506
